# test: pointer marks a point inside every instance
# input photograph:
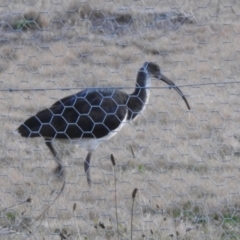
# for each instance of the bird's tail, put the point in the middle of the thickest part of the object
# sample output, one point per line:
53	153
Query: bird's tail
30	128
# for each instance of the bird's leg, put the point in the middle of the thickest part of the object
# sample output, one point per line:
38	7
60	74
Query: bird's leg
59	169
87	168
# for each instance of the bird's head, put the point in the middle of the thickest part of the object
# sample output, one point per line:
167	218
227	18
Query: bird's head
154	71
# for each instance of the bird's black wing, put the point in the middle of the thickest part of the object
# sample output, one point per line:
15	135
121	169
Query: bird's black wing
85	114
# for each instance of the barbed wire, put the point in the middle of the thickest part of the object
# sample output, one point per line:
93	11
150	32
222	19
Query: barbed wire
110	87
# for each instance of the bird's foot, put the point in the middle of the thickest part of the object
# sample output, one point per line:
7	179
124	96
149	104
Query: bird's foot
89	181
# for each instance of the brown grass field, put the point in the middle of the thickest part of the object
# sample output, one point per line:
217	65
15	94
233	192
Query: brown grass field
185	164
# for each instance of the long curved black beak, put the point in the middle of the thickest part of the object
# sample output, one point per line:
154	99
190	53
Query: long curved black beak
172	85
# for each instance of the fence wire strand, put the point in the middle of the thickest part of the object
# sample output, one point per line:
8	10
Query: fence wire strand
122	88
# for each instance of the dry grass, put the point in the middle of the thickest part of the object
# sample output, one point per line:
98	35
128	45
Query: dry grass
185	164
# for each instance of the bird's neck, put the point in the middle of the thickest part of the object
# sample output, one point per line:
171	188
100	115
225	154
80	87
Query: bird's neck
139	98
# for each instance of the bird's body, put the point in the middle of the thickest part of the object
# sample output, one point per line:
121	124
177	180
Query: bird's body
92	115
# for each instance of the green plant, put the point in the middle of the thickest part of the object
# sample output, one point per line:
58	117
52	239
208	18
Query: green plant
140	168
11	216
23	24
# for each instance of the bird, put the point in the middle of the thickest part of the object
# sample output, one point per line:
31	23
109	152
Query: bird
93	115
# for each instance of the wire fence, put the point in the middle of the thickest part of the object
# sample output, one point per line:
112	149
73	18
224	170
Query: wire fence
172	173
124	88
